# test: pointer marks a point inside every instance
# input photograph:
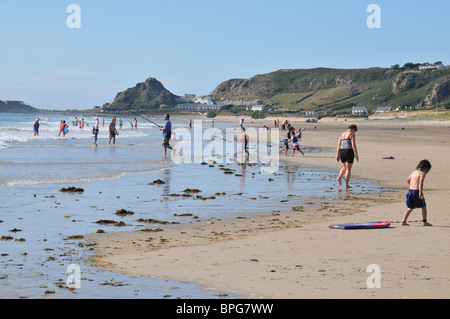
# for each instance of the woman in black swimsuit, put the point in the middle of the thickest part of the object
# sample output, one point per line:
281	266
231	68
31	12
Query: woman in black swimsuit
346	153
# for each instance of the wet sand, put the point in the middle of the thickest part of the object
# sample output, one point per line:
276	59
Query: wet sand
293	254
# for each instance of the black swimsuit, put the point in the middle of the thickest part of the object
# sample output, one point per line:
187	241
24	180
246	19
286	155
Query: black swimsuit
346	153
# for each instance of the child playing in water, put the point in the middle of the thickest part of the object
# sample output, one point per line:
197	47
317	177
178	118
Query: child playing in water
295	139
286	143
62	128
414	197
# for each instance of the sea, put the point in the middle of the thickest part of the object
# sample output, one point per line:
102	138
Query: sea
42	228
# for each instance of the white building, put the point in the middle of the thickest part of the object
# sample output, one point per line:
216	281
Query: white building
196	107
382	109
427	66
207	100
359	110
246	102
256	108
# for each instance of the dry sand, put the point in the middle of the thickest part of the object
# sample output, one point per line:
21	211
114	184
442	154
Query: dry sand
295	254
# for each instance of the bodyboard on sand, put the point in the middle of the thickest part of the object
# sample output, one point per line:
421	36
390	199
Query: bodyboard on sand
367	225
388	157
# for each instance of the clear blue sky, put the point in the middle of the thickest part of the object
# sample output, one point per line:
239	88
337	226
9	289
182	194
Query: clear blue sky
193	45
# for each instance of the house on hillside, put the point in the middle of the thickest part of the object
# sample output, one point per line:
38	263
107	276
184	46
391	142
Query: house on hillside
242	102
256	108
382	109
427	66
359	110
204	99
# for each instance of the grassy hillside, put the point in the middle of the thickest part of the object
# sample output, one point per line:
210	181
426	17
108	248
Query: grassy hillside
338	90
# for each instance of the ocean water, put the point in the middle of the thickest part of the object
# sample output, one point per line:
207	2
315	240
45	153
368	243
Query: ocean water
39	219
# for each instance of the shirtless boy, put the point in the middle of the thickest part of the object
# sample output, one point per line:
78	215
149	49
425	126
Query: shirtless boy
414	197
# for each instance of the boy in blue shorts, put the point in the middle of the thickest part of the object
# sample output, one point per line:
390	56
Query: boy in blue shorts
414	197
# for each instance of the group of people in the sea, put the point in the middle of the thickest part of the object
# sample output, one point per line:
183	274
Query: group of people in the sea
64	128
346	153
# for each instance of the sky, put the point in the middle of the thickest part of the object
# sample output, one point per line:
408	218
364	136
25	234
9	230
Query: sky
191	46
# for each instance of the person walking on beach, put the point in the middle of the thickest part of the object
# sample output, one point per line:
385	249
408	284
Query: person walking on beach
112	131
36	127
167	133
414	197
346	153
244	139
120	123
135	124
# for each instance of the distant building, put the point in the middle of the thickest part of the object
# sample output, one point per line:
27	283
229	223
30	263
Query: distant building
246	102
427	66
204	99
382	109
256	108
202	103
359	110
196	107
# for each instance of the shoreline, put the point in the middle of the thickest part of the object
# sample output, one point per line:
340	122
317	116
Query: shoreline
306	259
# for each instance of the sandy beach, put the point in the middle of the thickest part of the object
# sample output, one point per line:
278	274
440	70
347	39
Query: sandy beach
293	254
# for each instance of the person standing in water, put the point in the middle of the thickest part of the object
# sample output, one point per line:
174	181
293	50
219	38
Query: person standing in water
62	128
295	139
95	130
167	133
112	131
346	153
36	127
244	139
286	143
